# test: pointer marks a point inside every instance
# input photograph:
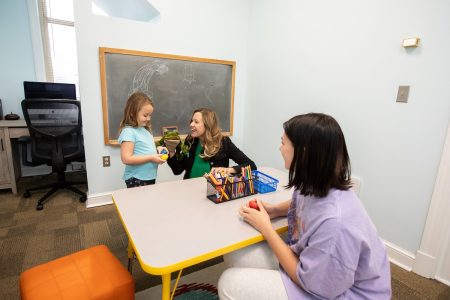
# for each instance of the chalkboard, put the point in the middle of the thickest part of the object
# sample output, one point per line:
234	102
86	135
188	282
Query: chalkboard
176	84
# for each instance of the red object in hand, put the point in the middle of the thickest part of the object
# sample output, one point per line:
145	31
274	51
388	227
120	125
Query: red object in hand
253	204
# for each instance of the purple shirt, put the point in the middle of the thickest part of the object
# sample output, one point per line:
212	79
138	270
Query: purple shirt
341	255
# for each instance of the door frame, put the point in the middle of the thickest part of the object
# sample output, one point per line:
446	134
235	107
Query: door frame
435	241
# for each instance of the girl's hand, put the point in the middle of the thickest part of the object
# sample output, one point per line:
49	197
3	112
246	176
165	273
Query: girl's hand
159	149
259	219
163	152
221	170
157	159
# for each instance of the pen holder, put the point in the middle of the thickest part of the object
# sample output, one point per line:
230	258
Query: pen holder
230	190
238	188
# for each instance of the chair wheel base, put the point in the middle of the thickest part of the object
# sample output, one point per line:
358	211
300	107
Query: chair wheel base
83	199
27	194
39	206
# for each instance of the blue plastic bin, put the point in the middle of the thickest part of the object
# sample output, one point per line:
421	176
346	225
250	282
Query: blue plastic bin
264	183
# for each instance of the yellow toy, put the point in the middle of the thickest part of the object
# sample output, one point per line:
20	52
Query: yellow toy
164	155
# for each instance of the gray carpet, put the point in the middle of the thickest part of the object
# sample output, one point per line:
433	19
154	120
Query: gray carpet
29	237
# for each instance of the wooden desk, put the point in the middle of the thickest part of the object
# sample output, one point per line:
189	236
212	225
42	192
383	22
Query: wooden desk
9	155
172	225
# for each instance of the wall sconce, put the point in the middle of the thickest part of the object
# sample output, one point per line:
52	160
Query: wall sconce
411	42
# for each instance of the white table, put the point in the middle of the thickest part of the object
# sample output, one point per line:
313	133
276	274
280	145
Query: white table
172	225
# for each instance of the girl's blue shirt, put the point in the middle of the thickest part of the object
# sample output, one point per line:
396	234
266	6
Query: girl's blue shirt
144	144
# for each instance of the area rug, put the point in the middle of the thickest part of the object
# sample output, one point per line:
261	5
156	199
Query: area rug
198	285
196	291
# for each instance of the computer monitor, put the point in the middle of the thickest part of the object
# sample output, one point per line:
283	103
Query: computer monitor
49	90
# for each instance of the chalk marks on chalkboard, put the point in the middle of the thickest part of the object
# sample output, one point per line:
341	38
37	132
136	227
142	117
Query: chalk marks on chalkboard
143	76
189	75
176	84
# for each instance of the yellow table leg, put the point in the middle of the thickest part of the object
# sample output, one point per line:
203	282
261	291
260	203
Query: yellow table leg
166	287
130	257
176	284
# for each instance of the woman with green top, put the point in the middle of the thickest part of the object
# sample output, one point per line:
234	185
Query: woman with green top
209	149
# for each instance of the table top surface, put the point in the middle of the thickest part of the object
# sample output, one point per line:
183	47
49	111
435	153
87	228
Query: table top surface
13	123
172	225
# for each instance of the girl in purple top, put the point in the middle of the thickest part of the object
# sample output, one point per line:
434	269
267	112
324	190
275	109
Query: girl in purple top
333	250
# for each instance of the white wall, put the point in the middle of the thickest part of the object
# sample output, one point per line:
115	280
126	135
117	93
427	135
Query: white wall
200	28
345	59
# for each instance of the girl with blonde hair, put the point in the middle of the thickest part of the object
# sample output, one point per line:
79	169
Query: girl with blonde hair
137	146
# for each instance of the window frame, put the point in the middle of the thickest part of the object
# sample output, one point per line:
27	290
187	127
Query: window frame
39	21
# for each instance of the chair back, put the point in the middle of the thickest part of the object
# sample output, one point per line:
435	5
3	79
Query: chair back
55	128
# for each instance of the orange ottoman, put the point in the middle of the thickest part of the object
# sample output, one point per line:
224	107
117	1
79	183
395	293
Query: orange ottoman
94	273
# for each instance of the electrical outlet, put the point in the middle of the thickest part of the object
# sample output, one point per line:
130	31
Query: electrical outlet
106	161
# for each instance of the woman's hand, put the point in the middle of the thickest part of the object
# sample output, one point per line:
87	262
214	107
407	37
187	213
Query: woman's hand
270	209
222	170
259	219
277	210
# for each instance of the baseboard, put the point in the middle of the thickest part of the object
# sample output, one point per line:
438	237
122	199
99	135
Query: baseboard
444	281
399	256
425	265
99	200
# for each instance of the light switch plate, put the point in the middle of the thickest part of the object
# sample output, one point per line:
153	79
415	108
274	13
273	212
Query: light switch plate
403	93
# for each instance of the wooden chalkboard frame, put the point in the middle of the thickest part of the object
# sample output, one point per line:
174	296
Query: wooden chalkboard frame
103	52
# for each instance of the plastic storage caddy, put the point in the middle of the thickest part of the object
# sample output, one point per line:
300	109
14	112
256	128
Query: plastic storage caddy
264	183
238	187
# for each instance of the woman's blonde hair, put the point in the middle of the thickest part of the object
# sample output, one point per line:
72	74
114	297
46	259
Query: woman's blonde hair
130	114
213	133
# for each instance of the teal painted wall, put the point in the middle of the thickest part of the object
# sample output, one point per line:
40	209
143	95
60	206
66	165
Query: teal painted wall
16	53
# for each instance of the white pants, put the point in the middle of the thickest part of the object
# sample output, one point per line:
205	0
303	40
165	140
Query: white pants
252	273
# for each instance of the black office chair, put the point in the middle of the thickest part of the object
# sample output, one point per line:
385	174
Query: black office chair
56	139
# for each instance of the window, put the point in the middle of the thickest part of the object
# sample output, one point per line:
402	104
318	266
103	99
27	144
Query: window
58	40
